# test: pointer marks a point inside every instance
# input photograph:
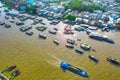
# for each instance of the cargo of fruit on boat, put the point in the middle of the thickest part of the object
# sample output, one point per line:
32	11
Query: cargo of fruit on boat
74	69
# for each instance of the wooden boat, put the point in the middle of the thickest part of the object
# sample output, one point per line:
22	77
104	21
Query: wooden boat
25	28
56	42
113	60
97	37
109	40
29	33
85	46
11	68
69	46
93	58
79	51
52	32
15	74
70	41
42	36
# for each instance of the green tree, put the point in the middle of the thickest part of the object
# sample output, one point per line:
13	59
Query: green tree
31	9
80	6
71	17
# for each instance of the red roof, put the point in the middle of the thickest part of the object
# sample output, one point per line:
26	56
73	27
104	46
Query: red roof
16	4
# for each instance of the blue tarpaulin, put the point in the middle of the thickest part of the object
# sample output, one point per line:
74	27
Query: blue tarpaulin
31	2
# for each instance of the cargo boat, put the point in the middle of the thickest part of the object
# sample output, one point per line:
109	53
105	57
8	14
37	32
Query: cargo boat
76	70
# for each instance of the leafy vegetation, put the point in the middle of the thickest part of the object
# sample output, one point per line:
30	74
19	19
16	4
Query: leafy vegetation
7	6
31	9
118	1
80	6
70	17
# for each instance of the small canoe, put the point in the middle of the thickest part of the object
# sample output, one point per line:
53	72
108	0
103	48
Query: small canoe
52	32
29	33
85	46
69	46
79	51
93	58
56	42
42	36
70	41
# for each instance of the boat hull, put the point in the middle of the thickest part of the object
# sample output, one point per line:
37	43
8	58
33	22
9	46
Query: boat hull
76	70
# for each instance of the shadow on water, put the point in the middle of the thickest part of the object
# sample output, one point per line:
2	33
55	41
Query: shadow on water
116	65
40	38
96	62
80	53
64	70
93	50
74	72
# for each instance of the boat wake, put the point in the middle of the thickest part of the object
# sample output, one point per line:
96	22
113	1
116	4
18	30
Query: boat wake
54	60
